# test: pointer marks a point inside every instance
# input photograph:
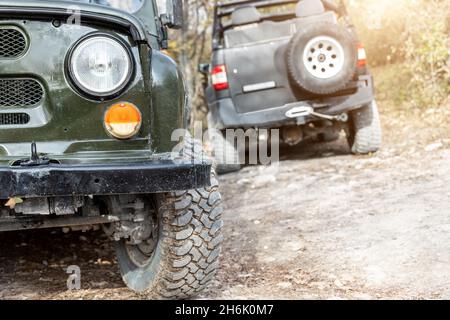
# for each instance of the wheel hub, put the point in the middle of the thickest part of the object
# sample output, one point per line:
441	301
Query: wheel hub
324	57
139	233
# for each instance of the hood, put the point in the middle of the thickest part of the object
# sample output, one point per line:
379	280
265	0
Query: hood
90	13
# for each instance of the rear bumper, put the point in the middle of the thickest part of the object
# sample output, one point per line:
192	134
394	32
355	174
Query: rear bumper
223	112
137	178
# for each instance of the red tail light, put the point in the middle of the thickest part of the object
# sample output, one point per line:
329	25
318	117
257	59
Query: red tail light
362	56
219	78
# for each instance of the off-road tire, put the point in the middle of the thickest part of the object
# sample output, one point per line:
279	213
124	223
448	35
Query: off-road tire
364	132
328	136
226	155
297	70
187	254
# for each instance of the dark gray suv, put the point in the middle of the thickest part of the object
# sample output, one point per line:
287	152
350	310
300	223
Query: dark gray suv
297	66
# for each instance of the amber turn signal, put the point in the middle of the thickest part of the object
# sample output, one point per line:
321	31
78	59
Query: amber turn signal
123	120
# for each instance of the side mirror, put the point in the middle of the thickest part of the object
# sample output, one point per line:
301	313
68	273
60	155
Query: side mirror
204	68
173	18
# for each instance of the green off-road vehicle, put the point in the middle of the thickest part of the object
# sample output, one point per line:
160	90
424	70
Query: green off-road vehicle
92	114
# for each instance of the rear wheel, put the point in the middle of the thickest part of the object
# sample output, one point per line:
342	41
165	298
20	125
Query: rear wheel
226	154
331	132
329	136
364	132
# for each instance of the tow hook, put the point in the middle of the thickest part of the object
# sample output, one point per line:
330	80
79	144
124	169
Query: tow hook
35	159
304	111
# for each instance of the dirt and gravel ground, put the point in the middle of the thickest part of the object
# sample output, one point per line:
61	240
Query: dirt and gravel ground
325	225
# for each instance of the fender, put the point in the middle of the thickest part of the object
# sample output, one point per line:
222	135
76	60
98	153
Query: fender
169	101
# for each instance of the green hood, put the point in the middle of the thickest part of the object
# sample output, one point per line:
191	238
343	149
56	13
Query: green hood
141	24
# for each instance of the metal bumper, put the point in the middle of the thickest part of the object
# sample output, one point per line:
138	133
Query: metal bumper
84	180
223	112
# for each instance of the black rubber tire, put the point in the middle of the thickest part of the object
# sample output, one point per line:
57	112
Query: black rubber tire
226	155
329	136
187	254
300	75
364	133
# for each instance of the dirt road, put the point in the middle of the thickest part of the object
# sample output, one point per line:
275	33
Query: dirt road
325	225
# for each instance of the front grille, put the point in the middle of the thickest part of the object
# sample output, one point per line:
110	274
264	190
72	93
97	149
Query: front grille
20	92
12	43
14	118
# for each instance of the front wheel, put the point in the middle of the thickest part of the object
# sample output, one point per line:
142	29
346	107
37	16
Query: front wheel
364	131
179	259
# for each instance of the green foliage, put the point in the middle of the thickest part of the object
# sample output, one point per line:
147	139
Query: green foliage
391	83
427	53
413	34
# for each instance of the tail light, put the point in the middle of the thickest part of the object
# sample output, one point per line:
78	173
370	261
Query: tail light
219	78
362	56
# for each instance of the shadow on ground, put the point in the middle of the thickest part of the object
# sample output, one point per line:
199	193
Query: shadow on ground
35	262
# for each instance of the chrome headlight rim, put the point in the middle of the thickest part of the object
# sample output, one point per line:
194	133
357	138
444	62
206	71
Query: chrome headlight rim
94	95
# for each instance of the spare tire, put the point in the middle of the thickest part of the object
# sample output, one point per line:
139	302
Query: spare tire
322	58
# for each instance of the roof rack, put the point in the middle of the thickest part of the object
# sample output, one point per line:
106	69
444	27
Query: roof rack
224	9
227	8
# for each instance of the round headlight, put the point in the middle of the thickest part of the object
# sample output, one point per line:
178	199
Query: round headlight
100	66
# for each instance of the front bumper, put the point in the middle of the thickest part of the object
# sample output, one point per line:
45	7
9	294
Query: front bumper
223	113
84	180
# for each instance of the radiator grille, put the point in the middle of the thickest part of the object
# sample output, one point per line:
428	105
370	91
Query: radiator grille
12	43
20	92
14	118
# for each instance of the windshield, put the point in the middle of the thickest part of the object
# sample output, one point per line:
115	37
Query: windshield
130	6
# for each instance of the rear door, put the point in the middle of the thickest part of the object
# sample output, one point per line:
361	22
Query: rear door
256	68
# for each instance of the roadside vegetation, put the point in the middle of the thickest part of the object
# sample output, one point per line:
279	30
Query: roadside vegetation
409	43
408	47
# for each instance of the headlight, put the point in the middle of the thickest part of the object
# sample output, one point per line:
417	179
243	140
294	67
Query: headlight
100	66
